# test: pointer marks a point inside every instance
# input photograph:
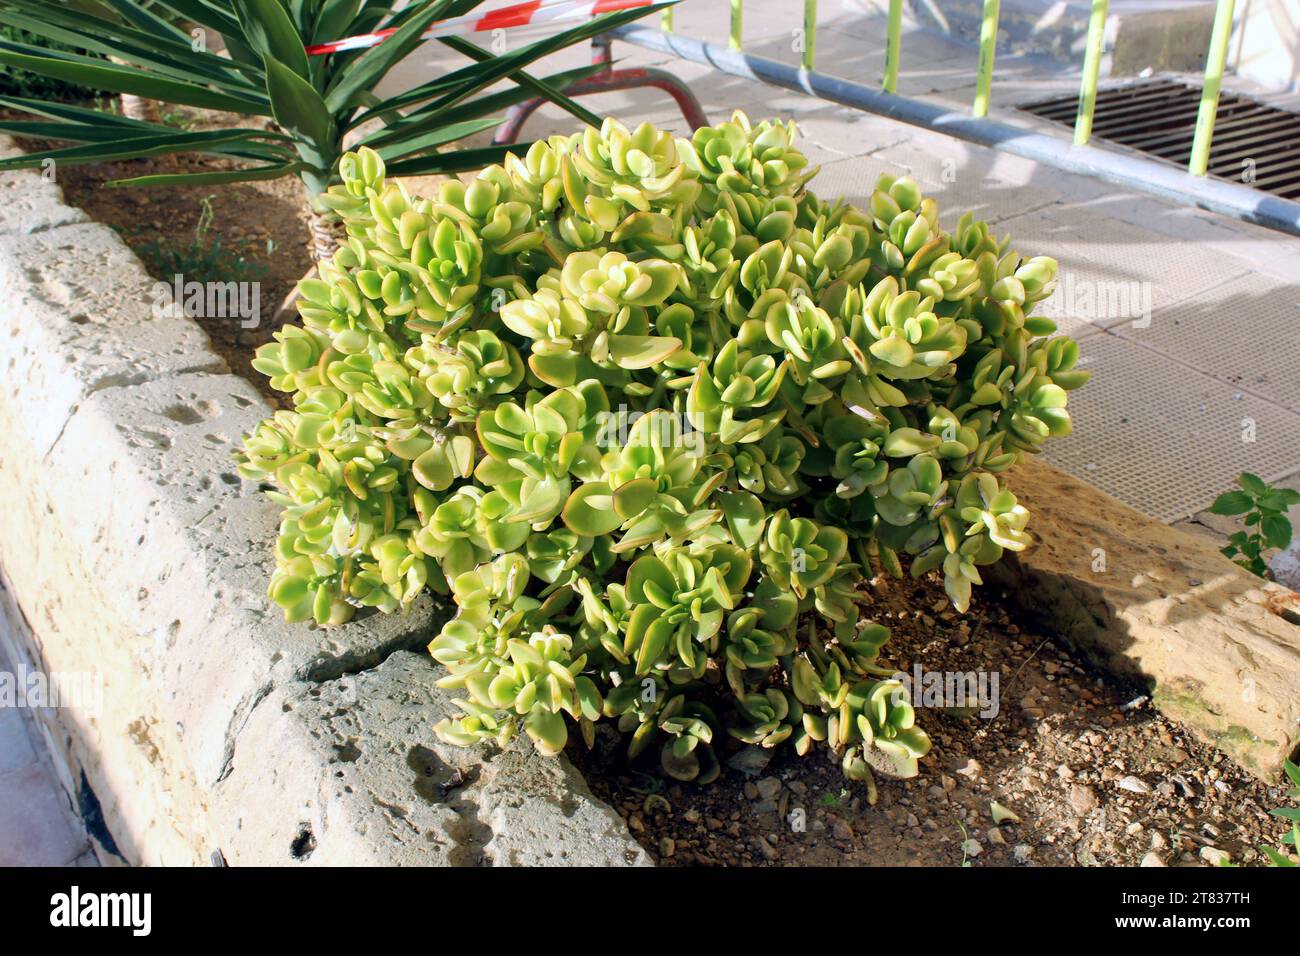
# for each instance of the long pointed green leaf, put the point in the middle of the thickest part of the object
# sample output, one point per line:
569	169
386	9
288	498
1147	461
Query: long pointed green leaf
418	94
375	63
418	122
210	179
145	19
75	133
270	32
119	79
540	87
333	18
241	53
438	137
455	161
478	76
77	114
204	14
300	109
77	123
130	148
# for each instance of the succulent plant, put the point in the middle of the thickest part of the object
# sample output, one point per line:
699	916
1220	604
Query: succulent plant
610	173
647	410
737	157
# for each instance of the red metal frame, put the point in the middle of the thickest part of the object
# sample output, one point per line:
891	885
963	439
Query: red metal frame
607	81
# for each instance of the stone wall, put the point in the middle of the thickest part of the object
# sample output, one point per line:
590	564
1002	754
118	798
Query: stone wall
1217	647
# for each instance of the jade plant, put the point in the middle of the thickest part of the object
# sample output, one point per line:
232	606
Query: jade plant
648	412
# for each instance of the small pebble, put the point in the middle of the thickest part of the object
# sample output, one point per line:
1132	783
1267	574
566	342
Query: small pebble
1214	856
1134	784
1082	799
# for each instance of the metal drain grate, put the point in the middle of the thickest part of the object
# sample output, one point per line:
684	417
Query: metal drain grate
1253	143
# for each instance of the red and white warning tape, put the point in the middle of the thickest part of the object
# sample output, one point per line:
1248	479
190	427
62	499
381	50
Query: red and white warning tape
503	18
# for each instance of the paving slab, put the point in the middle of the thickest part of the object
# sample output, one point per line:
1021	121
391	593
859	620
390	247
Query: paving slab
15	746
957	177
1165	438
1114	275
34	829
1243	332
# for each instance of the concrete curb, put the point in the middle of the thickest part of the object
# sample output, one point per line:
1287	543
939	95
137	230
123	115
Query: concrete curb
1163	607
137	557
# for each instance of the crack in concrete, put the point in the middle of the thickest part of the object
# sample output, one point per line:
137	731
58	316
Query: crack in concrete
45	226
326	669
72	413
238	721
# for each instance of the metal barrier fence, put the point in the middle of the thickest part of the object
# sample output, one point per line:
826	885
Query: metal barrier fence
1193	187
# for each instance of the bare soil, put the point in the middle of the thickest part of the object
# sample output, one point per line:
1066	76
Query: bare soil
264	223
1095	775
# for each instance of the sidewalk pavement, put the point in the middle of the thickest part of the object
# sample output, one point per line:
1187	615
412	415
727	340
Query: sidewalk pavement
38	825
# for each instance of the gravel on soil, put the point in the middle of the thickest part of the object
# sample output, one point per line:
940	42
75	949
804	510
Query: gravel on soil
1093	774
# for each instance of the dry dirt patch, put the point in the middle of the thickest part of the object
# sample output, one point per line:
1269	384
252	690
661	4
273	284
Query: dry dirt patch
1095	775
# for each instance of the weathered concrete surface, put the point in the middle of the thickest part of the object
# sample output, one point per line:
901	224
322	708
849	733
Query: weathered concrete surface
346	771
1162	606
135	554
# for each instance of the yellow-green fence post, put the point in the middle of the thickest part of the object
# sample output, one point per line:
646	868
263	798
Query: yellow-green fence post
893	39
988	47
810	35
1091	67
1214	60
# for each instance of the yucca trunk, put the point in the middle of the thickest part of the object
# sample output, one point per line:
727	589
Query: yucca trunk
326	233
139	108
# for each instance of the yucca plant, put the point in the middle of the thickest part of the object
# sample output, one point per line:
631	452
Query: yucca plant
22	83
313	101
